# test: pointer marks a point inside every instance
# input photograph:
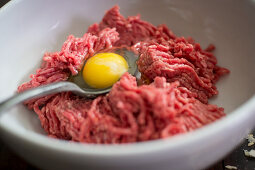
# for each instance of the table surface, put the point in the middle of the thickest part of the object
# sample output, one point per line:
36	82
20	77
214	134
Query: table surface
9	160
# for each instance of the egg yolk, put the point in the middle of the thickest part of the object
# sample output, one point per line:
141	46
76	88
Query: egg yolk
104	69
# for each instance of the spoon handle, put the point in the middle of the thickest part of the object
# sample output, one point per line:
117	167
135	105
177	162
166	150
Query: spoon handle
34	93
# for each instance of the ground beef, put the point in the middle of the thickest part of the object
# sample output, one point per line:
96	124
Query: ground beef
131	30
182	77
164	54
182	60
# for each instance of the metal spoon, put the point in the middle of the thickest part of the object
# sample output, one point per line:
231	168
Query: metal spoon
76	86
49	89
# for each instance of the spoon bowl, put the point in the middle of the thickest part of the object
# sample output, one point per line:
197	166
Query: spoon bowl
129	56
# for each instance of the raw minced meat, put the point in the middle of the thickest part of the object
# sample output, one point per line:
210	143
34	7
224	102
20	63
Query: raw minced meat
181	78
164	54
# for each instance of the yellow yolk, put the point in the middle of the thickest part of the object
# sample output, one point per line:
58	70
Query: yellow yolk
104	69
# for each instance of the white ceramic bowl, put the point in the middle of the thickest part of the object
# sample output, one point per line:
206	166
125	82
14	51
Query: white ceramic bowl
28	28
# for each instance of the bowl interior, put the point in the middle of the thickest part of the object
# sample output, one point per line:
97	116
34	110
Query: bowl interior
29	29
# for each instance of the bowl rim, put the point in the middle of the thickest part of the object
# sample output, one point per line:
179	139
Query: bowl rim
247	109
